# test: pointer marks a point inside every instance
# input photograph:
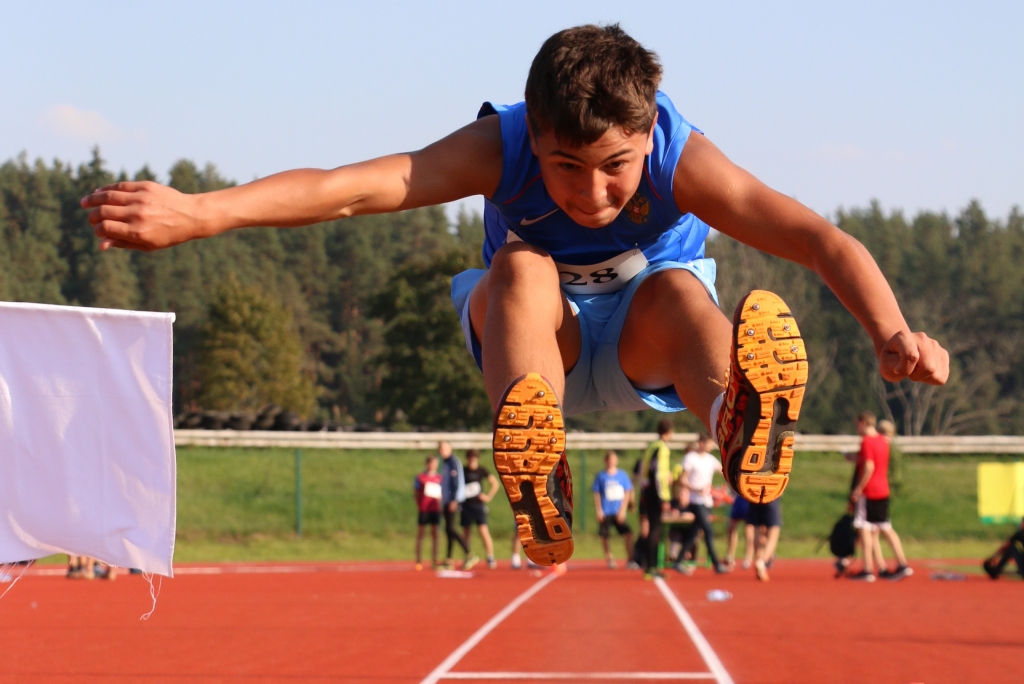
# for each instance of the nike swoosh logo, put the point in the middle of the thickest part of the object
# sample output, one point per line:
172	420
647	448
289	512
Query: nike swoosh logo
530	222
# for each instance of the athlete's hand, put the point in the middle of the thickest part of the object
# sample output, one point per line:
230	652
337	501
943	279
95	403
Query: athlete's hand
915	356
600	517
142	215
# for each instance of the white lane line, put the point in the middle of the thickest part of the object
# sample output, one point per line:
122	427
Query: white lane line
442	670
673	676
706	652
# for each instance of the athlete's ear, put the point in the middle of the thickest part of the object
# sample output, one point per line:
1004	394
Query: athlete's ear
650	135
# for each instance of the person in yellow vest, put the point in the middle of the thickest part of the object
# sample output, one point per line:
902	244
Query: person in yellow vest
655	494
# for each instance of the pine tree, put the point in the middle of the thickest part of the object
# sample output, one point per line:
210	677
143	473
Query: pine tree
428	378
251	355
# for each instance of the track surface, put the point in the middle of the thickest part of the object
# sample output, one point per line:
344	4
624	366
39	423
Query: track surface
387	623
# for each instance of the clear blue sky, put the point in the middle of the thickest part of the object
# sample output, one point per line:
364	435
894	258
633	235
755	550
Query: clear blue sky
920	105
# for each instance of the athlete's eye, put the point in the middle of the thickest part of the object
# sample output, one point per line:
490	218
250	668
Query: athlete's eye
566	166
616	165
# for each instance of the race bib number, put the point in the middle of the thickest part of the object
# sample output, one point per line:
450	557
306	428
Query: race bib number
472	490
613	491
432	490
608	276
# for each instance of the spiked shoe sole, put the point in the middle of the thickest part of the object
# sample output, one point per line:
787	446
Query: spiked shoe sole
771	357
529	438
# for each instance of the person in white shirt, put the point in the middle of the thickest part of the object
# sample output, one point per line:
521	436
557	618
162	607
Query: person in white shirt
699	468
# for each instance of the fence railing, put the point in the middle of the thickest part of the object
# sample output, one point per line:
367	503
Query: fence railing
984	444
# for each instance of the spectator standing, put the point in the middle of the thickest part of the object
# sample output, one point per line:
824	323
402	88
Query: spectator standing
737	517
1012	548
453	493
81	567
517	547
474	509
680	500
888	428
870	498
655	494
427	490
699	468
766	521
613	491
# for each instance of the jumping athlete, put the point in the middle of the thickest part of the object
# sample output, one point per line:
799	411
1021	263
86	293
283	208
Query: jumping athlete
597	294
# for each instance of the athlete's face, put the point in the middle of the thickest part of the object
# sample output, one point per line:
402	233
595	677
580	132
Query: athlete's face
592	183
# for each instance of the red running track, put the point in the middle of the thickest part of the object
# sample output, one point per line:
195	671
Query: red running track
386	623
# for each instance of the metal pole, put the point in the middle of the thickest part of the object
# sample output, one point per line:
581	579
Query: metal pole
583	497
298	492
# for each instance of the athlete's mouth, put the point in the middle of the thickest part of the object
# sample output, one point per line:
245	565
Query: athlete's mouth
596	212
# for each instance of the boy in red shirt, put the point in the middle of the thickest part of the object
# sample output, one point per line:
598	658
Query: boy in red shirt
427	490
870	497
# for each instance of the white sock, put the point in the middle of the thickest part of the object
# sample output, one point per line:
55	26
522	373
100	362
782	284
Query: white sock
716	408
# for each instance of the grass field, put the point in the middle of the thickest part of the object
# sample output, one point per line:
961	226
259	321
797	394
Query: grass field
239	504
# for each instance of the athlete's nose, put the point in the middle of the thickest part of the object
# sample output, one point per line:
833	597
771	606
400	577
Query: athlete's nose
593	193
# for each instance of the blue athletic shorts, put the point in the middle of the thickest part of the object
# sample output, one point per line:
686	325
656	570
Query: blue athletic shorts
740	506
597	383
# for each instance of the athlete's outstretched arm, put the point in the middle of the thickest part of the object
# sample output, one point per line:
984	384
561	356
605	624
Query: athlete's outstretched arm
147	216
731	200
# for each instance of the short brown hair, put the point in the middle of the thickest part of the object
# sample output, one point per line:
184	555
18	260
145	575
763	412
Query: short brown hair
665	426
472	453
868	418
587	79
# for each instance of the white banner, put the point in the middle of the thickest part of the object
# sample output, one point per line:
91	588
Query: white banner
87	461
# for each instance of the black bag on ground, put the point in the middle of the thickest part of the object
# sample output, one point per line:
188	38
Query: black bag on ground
843	540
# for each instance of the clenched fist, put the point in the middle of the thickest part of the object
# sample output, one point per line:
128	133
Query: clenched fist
915	356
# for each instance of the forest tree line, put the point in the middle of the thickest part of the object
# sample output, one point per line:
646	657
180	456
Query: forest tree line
350	321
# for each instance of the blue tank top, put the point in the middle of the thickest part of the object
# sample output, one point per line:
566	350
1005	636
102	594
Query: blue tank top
650	229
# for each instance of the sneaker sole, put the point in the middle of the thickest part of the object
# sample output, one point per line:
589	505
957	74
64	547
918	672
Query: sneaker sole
773	360
529	438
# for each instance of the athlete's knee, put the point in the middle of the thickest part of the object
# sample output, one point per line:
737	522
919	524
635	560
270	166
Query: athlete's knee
675	287
521	265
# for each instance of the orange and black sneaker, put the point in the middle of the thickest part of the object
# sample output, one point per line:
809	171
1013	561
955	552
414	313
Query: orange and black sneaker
762	399
529	455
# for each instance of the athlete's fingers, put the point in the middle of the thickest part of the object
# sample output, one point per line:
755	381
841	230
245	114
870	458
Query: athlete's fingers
898	357
120	244
108	197
114	230
116	193
933	368
111	212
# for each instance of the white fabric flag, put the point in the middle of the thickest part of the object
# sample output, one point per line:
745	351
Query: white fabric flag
86	435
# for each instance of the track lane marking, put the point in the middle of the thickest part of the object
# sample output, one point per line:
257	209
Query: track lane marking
674	676
442	670
706	652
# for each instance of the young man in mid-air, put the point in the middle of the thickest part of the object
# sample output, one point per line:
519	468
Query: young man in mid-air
597	294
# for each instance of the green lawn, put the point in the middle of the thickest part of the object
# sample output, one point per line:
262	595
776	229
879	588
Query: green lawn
239	504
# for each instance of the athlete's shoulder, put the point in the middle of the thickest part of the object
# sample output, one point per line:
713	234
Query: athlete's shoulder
671	131
519	165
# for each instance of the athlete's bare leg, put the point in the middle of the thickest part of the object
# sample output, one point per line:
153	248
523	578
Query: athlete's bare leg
675	334
523	321
485	535
894	542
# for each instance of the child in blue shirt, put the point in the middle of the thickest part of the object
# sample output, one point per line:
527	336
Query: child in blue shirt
613	494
